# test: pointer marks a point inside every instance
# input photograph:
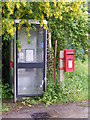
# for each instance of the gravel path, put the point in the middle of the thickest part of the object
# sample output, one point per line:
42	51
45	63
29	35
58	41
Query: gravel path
71	110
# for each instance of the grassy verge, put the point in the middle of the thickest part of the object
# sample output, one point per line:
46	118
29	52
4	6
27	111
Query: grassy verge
75	86
77	83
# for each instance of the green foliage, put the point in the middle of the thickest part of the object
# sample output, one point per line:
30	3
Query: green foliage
6	92
75	87
67	21
30	101
5	108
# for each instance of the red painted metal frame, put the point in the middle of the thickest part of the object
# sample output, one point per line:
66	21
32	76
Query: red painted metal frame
61	68
11	64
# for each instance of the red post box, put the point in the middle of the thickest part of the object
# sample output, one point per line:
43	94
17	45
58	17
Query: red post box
69	60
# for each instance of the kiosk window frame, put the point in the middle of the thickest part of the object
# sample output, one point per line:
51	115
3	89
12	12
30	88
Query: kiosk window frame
28	65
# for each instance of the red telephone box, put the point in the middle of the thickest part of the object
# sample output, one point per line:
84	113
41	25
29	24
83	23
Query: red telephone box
69	60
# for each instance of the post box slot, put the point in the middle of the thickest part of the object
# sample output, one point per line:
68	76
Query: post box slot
70	54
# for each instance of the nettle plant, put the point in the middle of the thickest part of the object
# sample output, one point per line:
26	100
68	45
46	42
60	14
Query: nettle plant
67	21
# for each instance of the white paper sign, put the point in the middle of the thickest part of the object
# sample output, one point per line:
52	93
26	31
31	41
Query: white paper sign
70	64
29	55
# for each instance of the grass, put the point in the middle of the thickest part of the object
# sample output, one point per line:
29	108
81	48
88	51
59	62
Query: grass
77	82
75	86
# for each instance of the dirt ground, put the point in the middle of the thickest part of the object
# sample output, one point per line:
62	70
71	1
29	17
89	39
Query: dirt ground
71	110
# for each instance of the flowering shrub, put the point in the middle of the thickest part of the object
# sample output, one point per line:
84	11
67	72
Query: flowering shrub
67	21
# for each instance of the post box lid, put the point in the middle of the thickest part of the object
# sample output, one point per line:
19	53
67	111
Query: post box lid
69	51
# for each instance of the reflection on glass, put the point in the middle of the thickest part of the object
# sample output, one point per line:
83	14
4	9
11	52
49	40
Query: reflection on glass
21	56
32	52
30	81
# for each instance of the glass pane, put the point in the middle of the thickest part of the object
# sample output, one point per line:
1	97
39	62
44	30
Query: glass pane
32	52
30	81
40	45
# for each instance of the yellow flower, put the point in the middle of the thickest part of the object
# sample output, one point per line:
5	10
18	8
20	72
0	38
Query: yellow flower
45	27
14	28
51	14
24	4
10	0
66	10
35	18
12	22
55	4
18	27
22	22
27	29
3	21
60	17
25	20
19	49
3	26
78	16
57	15
40	8
12	34
29	34
80	1
47	4
7	30
11	11
2	32
3	12
60	13
48	13
7	4
17	5
11	30
85	2
30	11
41	24
81	6
42	17
72	19
63	3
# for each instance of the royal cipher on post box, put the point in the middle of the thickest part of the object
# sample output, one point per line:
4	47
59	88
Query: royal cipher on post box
69	60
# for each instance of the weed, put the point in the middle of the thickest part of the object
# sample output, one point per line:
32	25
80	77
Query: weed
5	108
75	87
6	92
